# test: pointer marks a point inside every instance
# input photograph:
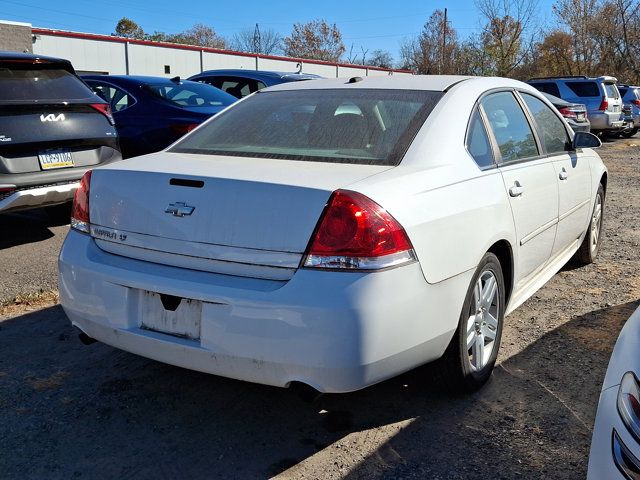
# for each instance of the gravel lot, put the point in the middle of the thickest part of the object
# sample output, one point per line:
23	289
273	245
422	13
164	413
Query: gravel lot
72	411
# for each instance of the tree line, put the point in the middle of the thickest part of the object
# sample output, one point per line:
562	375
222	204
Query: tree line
587	37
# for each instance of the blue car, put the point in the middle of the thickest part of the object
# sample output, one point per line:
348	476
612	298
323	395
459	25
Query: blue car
151	113
241	83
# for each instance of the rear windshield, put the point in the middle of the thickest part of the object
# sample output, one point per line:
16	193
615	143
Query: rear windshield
363	126
612	91
19	84
585	89
192	94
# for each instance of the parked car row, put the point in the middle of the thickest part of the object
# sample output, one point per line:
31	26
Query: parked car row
610	108
55	125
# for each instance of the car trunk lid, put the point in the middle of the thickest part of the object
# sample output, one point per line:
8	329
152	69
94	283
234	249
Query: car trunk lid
239	216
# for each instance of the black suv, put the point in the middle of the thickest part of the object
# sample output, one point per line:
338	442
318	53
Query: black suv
53	128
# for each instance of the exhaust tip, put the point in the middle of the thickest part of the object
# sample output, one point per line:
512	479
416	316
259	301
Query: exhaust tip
305	392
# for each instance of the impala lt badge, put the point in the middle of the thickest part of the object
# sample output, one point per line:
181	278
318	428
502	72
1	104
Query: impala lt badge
179	209
52	118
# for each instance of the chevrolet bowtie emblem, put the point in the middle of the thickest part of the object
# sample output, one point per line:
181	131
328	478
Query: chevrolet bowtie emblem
179	209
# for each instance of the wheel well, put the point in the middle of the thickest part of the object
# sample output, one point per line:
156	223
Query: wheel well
603	182
502	250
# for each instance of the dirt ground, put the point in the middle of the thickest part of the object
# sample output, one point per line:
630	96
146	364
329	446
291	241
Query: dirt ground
74	411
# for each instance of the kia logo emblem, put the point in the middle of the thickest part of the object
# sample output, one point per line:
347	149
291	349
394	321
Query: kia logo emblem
52	117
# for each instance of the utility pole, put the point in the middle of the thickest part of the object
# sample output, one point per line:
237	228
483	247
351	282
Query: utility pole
444	40
257	41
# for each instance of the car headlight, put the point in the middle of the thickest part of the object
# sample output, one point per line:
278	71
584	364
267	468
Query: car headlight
629	403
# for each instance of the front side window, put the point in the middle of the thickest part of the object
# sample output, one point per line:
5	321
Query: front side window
365	126
550	128
548	87
478	142
510	127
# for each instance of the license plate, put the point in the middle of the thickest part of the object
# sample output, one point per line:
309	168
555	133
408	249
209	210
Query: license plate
171	315
580	117
55	159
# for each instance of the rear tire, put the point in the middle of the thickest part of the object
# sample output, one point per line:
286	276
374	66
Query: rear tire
588	251
630	133
471	355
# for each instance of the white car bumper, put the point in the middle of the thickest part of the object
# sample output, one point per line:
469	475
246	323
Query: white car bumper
335	331
38	197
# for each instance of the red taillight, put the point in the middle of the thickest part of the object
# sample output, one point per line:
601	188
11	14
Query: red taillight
603	105
636	102
354	232
183	128
565	112
80	211
104	109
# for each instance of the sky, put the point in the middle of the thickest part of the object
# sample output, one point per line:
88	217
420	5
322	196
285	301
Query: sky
374	24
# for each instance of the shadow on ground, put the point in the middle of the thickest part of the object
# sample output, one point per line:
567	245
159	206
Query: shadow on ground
70	411
31	226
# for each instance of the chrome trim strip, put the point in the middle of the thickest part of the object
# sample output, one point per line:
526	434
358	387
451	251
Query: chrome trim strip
538	231
574	209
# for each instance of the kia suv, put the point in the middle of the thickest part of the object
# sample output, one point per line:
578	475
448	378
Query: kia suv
600	95
53	129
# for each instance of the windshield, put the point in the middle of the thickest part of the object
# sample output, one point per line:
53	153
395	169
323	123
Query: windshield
338	125
26	83
192	94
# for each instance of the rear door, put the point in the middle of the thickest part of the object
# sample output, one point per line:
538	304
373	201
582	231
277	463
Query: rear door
529	181
573	174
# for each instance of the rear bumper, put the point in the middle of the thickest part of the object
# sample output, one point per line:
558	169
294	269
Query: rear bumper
606	121
38	197
334	331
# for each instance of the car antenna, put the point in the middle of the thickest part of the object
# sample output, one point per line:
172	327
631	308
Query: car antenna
354	80
175	79
299	67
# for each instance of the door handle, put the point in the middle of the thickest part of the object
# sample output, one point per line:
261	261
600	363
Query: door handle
516	190
563	174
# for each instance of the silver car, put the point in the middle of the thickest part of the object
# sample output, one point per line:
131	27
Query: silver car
600	95
631	97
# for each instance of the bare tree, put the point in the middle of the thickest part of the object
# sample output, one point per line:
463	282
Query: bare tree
315	39
265	41
380	58
506	36
578	16
201	35
428	53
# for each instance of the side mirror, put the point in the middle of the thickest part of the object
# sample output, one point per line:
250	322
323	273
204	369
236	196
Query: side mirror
585	140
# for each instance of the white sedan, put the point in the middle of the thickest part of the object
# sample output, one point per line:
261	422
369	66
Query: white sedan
336	233
615	445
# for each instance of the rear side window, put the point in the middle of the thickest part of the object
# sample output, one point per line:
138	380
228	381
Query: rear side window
550	128
623	91
612	90
364	126
584	89
191	94
236	86
548	87
478	142
116	97
20	83
509	126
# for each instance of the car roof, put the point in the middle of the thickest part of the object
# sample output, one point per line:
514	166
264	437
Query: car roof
258	74
134	79
9	56
438	83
